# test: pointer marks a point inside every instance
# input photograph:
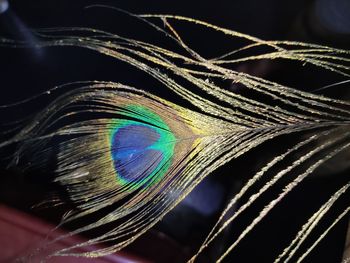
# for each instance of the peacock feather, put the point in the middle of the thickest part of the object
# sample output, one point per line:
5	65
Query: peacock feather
141	154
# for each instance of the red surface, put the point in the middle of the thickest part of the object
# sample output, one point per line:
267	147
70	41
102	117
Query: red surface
21	234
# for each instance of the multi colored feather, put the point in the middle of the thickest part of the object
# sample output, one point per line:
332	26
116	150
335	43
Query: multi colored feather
119	145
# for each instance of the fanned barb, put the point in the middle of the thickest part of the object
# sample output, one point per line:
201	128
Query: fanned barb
133	156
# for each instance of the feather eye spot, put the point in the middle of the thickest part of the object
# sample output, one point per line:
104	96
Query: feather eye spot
141	153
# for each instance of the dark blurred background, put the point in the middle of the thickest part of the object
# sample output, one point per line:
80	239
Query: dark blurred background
26	72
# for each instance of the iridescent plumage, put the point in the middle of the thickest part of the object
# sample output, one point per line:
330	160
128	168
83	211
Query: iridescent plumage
146	154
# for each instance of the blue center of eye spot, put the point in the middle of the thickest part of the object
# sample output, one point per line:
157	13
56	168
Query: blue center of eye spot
134	159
